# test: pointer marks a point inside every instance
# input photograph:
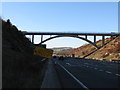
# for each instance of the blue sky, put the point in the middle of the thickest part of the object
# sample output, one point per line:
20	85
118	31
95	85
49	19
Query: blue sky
62	17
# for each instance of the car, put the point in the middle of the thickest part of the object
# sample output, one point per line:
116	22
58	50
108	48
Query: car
54	56
61	58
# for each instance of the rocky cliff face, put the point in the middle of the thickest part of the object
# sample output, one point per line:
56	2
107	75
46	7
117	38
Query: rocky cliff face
109	51
18	70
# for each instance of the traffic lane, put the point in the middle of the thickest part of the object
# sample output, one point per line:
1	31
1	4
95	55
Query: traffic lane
75	66
115	71
114	68
109	64
77	63
103	64
94	79
66	81
93	62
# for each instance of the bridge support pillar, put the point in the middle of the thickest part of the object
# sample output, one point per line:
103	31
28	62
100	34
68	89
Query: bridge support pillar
94	39
41	38
85	36
111	38
32	39
103	40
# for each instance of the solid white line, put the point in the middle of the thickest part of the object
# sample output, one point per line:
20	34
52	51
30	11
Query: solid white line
108	72
117	74
75	78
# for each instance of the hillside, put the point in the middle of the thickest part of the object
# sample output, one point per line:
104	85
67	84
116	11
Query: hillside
19	67
109	51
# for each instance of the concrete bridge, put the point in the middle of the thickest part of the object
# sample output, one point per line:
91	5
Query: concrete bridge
74	35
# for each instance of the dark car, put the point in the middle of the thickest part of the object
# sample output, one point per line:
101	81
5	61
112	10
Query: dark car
61	58
54	57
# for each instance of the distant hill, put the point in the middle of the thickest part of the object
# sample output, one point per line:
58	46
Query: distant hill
109	51
61	50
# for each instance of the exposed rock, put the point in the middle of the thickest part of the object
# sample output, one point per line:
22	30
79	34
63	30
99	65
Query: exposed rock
109	51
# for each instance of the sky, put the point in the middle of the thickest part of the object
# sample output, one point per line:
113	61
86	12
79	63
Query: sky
62	17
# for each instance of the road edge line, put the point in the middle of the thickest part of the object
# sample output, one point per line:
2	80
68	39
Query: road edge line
78	81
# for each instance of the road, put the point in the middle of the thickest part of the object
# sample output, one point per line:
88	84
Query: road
83	73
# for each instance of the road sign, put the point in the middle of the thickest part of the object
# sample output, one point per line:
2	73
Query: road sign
43	52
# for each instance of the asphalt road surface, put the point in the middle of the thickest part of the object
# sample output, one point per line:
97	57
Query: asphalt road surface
82	73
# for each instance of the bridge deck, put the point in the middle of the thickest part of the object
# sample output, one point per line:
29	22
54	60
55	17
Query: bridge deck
64	33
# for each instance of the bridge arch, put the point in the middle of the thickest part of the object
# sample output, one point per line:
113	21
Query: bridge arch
76	36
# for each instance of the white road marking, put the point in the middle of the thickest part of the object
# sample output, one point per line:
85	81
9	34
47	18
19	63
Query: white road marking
74	78
68	64
85	64
43	59
108	72
117	74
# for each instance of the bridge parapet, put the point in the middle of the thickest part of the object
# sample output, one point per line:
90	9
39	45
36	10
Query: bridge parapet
71	33
75	35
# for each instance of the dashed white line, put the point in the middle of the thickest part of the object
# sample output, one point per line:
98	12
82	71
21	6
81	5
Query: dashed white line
117	74
68	64
108	72
93	67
